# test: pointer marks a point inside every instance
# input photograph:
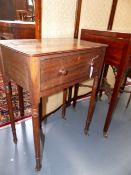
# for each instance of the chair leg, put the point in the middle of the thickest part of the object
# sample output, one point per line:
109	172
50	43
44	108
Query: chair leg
64	103
75	94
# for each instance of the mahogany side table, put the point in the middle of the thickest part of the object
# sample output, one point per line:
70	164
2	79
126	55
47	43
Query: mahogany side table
44	67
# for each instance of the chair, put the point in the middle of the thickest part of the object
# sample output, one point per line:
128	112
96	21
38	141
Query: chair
24	15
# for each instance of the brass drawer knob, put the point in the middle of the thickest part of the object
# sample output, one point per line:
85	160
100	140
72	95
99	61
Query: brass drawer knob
63	72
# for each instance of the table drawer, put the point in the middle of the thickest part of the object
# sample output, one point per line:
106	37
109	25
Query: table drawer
67	70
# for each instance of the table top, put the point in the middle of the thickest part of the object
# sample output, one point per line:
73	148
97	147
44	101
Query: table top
110	33
35	47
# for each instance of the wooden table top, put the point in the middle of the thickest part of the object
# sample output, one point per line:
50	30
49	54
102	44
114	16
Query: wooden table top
35	47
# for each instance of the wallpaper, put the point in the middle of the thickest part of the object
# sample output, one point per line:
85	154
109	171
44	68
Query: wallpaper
95	14
58	18
122	20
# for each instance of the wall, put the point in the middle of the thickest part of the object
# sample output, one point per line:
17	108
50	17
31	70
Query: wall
95	14
58	18
122	20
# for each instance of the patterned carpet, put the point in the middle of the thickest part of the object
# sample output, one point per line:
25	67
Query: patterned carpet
4	117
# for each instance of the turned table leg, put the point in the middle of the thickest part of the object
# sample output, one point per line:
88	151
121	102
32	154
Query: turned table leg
10	109
91	104
36	133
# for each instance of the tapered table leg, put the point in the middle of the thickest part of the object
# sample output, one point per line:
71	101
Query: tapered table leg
69	95
64	103
105	71
40	112
10	109
21	100
112	103
91	105
75	94
36	133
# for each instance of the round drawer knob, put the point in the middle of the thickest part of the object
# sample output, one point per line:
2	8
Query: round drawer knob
63	72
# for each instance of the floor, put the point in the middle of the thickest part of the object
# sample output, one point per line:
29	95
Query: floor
65	148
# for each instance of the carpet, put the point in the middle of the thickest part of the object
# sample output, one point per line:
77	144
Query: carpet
4	117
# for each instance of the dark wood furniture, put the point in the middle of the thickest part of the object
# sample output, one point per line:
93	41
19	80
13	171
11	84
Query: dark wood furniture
45	67
17	30
118	54
8	8
24	15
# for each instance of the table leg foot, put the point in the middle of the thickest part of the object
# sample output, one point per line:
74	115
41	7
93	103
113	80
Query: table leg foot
15	140
105	134
38	166
64	117
86	131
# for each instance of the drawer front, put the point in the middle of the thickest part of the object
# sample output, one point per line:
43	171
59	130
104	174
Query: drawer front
68	70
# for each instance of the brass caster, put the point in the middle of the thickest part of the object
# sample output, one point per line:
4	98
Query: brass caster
105	134
86	132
